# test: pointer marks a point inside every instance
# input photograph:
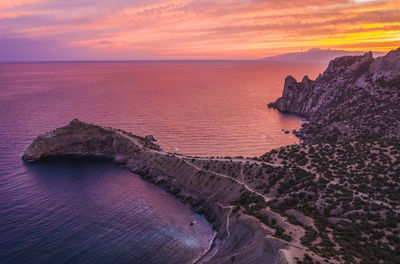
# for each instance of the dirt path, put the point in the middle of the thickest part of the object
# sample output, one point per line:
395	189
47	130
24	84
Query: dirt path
266	199
187	159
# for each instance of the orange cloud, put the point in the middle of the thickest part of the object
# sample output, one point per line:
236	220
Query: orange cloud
204	28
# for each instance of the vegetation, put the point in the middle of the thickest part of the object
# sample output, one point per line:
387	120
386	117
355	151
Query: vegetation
351	190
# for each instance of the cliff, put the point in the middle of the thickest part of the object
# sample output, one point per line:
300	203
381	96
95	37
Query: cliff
344	175
356	97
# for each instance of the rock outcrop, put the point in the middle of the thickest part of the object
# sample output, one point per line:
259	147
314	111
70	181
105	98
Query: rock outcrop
150	138
356	97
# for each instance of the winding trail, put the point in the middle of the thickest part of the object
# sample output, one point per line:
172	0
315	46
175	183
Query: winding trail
186	160
227	219
266	199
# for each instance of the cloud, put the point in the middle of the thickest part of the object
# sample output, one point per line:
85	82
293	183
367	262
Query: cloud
15	3
205	28
27	49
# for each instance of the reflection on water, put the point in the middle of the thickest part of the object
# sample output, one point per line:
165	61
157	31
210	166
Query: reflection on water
95	212
200	108
92	211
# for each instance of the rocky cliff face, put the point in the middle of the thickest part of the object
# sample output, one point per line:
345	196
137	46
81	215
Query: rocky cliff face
356	97
86	140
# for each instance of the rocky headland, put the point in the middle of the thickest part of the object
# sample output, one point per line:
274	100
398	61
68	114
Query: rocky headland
334	198
356	97
350	149
240	237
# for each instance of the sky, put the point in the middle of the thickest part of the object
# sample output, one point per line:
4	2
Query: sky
192	29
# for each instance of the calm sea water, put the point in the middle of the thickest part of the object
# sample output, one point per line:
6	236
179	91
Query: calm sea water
95	212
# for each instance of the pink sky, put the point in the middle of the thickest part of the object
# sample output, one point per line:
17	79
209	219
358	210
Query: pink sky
202	29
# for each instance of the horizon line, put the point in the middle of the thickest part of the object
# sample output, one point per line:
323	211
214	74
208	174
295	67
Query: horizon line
267	58
150	60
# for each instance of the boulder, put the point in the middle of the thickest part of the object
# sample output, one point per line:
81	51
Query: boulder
150	138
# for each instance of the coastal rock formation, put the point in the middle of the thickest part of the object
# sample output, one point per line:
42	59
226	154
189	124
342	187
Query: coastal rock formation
240	237
150	138
81	139
344	176
356	97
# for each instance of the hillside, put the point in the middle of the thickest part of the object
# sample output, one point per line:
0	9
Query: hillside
345	173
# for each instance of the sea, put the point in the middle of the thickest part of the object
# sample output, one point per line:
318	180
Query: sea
94	211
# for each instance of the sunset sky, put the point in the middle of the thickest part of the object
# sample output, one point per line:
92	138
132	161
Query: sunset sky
202	29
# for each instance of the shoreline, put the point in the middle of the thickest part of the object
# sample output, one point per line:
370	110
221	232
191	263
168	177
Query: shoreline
176	175
214	243
212	247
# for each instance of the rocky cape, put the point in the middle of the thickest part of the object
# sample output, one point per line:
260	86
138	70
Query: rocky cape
296	204
356	97
239	236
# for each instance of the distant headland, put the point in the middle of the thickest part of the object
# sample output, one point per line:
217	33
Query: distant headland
316	55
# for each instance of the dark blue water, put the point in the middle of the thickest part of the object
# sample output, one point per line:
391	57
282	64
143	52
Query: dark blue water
89	211
94	211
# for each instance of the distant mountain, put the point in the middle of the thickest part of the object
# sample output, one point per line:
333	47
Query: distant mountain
316	54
